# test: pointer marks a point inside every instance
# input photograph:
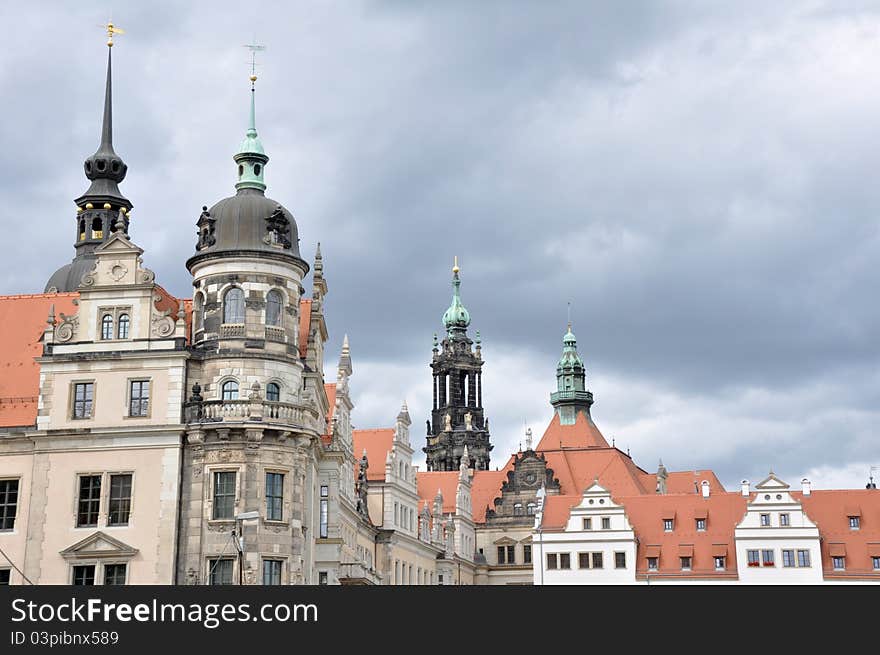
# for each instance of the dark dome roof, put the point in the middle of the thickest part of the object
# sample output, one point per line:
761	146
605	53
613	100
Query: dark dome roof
245	222
68	277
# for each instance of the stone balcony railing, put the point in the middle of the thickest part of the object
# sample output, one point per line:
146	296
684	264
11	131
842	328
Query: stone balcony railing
232	330
236	411
274	334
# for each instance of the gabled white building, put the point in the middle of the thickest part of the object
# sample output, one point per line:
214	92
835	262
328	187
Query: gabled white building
776	542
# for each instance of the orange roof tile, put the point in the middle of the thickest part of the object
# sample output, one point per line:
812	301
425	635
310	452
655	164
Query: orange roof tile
582	434
23	319
170	303
305	324
330	390
723	511
428	484
682	482
377	443
829	510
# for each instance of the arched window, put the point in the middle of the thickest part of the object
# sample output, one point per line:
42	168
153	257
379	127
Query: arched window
199	312
517	509
97	230
273	392
82	230
233	306
122	328
273	308
530	509
107	327
230	390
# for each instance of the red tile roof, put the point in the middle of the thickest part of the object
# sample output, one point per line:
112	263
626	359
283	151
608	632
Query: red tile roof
722	511
377	443
830	511
23	319
330	390
582	434
430	481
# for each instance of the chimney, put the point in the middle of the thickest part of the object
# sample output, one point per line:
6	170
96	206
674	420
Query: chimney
745	487
705	488
806	487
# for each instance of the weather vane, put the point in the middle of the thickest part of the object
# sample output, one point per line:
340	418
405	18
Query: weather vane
111	30
569	315
254	48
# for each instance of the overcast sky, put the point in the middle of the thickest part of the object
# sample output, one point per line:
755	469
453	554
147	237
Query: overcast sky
698	179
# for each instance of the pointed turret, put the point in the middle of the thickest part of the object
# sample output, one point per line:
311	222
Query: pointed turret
102	206
456	318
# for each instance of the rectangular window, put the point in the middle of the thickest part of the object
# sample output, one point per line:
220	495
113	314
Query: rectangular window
564	561
803	558
89	502
139	398
875	562
220	571
701	525
272	571
597	560
84	575
788	559
652	563
719	563
83	394
114	574
583	560
4	577
588	524
322	578
325	513
765	520
620	560
120	499
784	520
8	503
854	522
501	555
511	554
754	557
767	558
552	562
837	563
685	563
606	523
224	495
274	495
527	554
667	525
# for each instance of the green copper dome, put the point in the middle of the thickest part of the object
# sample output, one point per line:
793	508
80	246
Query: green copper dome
251	158
570	360
456	316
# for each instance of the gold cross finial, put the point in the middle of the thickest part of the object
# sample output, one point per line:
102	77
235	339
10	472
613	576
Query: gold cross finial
254	48
111	30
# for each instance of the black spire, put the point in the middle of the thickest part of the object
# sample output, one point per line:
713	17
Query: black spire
102	205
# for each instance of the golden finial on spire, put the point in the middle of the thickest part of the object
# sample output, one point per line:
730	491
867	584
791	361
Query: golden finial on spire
254	48
455	268
111	30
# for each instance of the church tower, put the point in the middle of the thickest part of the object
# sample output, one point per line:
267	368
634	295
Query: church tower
457	423
102	205
571	395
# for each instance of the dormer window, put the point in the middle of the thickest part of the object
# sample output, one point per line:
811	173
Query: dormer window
606	523
784	520
588	524
517	509
531	508
765	520
701	525
854	523
838	563
667	525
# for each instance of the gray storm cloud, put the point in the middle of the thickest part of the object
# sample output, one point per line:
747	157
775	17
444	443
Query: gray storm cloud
697	182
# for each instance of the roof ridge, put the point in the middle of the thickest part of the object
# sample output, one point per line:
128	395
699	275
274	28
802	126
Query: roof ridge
31	296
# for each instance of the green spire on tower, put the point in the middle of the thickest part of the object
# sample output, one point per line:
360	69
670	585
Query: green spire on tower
571	393
456	317
251	157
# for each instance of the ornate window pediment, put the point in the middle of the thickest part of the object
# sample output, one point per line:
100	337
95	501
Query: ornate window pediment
98	545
